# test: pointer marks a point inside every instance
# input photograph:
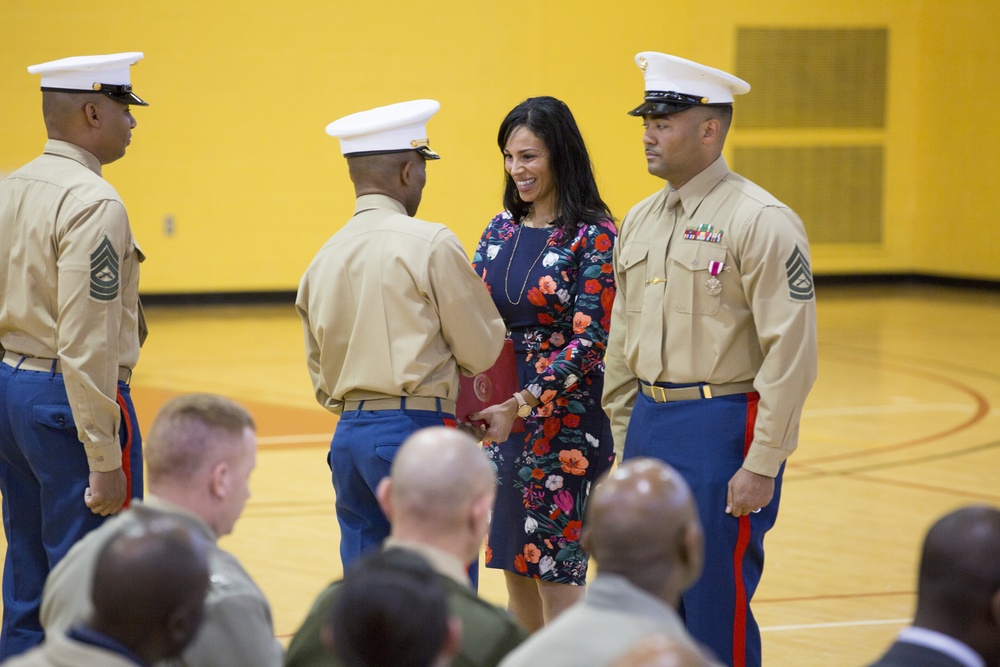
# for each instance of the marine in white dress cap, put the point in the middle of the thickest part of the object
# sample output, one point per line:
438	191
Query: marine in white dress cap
674	84
389	129
108	74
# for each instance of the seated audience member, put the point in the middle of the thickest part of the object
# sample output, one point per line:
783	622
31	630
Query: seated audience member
642	528
392	609
148	594
957	623
200	452
659	651
438	499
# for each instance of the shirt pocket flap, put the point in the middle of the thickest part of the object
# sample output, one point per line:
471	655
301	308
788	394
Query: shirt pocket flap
695	255
632	255
689	277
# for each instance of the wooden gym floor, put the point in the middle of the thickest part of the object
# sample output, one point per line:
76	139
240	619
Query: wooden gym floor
901	427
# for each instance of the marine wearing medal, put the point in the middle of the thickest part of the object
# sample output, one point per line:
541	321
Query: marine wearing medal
70	330
712	349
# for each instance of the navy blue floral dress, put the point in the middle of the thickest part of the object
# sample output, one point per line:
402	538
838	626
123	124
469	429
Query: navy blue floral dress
555	294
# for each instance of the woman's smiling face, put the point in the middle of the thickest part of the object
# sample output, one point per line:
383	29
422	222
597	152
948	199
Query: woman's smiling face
526	159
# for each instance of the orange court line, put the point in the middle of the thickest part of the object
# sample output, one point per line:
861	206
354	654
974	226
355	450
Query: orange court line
271	419
982	410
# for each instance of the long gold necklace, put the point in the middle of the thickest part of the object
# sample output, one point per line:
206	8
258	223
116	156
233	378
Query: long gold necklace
506	278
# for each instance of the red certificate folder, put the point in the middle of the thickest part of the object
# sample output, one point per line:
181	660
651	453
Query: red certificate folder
492	386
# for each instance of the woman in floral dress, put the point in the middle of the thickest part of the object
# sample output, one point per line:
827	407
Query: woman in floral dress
547	262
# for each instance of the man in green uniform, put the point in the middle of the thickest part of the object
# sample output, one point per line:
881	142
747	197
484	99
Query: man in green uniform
438	498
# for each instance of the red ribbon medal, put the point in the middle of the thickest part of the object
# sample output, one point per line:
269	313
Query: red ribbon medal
713	285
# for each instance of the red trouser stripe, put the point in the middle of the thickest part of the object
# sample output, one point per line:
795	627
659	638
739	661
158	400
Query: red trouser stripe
127	449
742	540
450	423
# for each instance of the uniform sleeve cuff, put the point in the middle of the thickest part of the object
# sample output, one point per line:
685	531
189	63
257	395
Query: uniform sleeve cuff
618	439
104	458
765	460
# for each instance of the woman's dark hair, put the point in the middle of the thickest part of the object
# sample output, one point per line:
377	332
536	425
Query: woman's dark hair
551	121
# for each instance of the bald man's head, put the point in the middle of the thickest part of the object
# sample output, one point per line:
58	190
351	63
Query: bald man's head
642	524
958	591
440	481
149	586
437	473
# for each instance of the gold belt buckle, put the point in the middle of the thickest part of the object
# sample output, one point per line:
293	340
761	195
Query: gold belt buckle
706	391
659	393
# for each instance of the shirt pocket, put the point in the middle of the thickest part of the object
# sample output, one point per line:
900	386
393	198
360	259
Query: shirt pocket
688	275
632	265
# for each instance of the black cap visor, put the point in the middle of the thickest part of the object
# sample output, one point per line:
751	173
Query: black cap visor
423	150
659	108
119	93
663	102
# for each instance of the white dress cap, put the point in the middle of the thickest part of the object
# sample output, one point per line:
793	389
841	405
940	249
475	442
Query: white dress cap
388	129
674	84
108	74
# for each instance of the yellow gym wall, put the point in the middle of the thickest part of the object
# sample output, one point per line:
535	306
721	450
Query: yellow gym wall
232	158
956	230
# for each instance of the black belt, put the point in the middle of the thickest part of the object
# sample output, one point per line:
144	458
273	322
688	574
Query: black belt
693	393
41	365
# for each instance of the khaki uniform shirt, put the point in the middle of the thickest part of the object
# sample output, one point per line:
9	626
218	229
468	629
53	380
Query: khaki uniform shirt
391	307
237	630
761	326
69	285
613	616
61	651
